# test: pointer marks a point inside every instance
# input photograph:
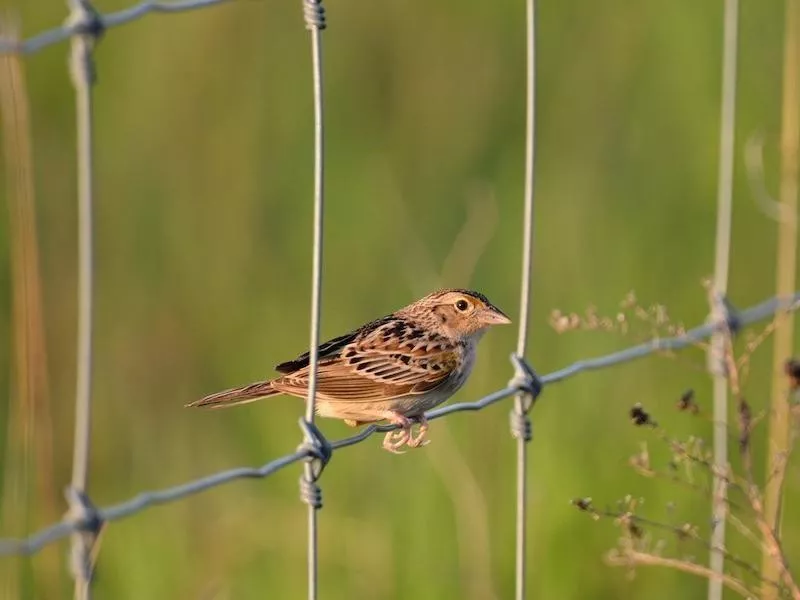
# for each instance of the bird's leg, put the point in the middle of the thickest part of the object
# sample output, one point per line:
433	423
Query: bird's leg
396	439
419	440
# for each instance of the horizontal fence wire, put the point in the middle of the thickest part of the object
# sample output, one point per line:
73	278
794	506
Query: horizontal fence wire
107	21
735	320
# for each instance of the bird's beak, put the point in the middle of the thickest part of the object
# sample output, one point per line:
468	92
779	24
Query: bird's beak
494	316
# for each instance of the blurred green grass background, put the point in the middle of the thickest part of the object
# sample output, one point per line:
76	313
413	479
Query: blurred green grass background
203	226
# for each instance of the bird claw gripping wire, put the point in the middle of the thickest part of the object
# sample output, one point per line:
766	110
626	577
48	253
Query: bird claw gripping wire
88	522
319	451
314	14
530	386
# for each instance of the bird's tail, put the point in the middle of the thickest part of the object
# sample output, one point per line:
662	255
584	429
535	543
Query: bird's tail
236	396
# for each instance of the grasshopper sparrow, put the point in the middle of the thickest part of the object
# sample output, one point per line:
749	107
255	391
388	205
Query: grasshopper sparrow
394	368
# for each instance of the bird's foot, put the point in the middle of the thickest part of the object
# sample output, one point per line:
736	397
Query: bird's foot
419	440
396	439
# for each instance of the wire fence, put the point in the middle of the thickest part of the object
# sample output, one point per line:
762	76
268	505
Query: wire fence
309	490
520	423
83	17
525	380
722	255
84	520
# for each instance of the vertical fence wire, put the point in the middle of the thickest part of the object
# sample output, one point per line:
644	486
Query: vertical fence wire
314	14
83	77
522	402
720	287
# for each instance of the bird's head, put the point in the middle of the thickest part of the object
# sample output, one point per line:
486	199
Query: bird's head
458	313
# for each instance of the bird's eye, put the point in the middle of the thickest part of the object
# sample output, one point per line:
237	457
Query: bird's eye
462	305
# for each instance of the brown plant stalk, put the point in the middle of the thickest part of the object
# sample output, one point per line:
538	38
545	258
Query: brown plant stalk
635	557
786	262
29	422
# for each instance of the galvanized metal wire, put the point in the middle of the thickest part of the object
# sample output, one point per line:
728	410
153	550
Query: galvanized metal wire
720	288
311	493
115	19
521	427
83	19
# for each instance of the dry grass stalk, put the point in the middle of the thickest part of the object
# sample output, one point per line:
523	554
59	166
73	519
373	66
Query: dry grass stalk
785	269
747	516
29	422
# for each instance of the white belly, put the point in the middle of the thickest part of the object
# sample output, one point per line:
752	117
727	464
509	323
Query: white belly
409	406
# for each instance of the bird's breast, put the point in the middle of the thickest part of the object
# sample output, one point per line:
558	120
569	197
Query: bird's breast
468	361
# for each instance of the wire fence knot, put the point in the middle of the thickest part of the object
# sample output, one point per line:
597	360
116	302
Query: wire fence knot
318	451
530	386
84	19
526	381
316	446
726	313
87	27
314	14
88	523
310	493
82	511
727	321
521	426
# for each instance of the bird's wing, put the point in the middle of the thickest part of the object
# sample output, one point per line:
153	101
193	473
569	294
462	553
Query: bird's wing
393	358
331	348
